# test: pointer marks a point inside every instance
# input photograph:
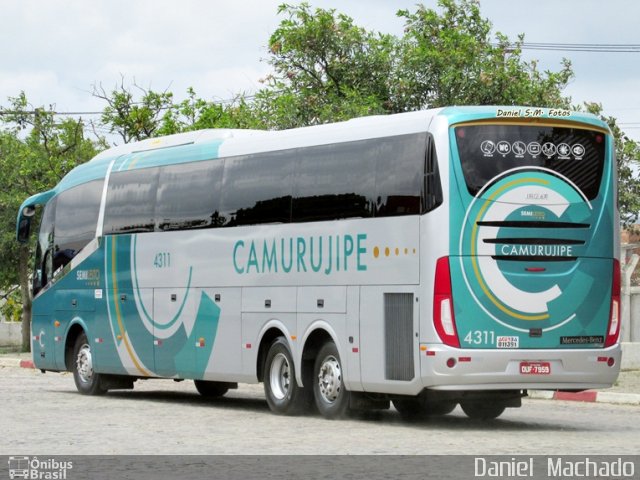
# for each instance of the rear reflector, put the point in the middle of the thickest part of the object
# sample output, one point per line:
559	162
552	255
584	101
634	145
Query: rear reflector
613	329
443	317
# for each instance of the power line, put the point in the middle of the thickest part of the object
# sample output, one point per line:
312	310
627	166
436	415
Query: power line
56	113
580	47
45	112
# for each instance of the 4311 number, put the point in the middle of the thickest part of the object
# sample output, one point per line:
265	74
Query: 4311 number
480	337
162	260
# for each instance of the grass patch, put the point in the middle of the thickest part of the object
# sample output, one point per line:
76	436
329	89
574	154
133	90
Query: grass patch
10	349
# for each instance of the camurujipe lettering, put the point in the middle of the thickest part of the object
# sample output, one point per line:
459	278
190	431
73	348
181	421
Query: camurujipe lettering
537	250
324	254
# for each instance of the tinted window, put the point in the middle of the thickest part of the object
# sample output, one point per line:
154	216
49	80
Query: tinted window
400	163
432	196
43	271
257	189
75	220
131	199
335	181
488	150
189	196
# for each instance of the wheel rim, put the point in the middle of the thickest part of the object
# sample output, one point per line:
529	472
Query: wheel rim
84	363
330	379
279	376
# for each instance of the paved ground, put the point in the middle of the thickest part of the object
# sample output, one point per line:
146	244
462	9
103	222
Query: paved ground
45	415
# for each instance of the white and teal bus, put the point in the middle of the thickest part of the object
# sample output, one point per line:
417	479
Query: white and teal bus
452	256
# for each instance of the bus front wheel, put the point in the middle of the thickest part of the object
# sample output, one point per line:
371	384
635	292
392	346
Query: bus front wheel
331	396
86	379
283	393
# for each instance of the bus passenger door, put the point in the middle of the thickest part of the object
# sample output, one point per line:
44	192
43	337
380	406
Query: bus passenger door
69	305
42	333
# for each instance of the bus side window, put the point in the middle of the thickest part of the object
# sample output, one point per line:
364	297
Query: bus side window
334	181
399	170
257	189
75	221
43	267
432	196
189	196
131	200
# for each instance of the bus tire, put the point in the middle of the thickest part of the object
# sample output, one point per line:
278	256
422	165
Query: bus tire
86	379
480	410
211	389
418	407
284	395
330	394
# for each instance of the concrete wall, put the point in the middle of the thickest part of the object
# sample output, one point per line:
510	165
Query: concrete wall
630	356
630	328
10	333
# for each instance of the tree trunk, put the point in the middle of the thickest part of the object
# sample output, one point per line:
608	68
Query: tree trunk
25	290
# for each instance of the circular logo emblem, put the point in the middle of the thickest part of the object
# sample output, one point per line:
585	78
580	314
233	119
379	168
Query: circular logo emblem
495	248
549	149
488	147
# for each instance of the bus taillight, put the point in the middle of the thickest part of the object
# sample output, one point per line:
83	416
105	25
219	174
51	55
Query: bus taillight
613	329
443	317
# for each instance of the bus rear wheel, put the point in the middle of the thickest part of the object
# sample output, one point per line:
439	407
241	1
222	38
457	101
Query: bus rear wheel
417	408
480	410
331	396
211	389
284	395
86	379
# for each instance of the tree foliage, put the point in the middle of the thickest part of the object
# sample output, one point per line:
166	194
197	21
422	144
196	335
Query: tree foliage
134	113
326	68
130	118
36	151
628	159
452	58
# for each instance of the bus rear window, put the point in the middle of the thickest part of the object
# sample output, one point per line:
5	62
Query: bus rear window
487	151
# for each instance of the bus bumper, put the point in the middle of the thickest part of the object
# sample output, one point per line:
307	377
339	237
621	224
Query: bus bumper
446	368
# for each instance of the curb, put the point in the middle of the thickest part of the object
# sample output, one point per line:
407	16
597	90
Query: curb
16	362
587	396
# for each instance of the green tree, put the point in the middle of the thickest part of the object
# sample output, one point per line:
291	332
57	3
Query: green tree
134	113
195	113
325	69
130	118
627	157
36	151
452	58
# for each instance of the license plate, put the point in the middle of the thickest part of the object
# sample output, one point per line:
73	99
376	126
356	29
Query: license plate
535	368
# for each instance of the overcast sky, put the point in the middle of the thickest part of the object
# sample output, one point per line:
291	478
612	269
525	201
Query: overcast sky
56	50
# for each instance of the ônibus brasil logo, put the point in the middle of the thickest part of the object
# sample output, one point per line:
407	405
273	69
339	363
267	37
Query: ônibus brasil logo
40	469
